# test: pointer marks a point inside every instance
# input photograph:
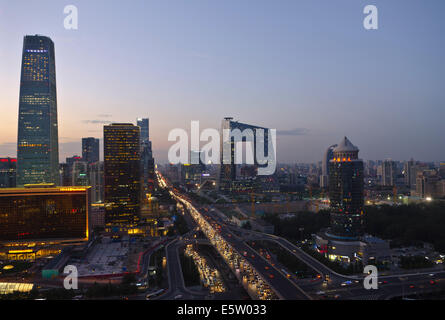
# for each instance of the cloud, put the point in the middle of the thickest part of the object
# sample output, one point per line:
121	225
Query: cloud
104	115
293	132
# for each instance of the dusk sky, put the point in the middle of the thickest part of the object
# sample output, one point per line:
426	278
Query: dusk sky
305	67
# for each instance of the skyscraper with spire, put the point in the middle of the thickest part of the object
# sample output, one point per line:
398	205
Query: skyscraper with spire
38	143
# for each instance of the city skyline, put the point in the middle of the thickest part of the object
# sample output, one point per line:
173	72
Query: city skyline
388	89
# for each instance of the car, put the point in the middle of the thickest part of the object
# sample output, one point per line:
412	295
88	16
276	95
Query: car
412	286
271	276
346	283
266	267
432	282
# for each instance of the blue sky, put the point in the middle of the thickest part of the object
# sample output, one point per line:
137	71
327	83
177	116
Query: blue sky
307	67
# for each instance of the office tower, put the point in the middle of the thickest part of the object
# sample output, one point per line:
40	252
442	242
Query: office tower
47	217
7	172
37	145
147	160
90	149
64	175
79	174
74	172
96	181
143	123
147	167
346	192
324	178
428	184
410	173
122	181
228	180
388	172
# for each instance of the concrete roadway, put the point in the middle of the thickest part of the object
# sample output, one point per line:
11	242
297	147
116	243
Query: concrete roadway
176	285
285	288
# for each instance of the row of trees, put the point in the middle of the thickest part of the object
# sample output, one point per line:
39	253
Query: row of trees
307	222
404	225
408	225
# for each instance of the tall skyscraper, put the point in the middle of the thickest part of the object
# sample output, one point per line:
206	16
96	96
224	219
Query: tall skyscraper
324	178
388	173
228	169
90	150
147	160
345	239
346	192
409	173
143	123
38	143
122	167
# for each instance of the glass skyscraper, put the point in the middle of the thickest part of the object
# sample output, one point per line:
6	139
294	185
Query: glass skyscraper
90	150
346	192
38	144
143	123
122	167
147	161
228	178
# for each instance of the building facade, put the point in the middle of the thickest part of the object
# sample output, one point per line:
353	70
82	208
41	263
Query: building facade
38	145
228	178
346	192
122	179
90	150
328	156
8	172
39	217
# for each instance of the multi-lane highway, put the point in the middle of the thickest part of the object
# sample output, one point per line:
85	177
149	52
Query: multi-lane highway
351	287
339	286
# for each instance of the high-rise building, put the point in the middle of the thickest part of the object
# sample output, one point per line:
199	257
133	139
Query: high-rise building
388	172
37	145
345	240
324	178
143	123
346	191
74	172
122	167
428	184
96	181
7	172
147	160
228	179
409	173
90	149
